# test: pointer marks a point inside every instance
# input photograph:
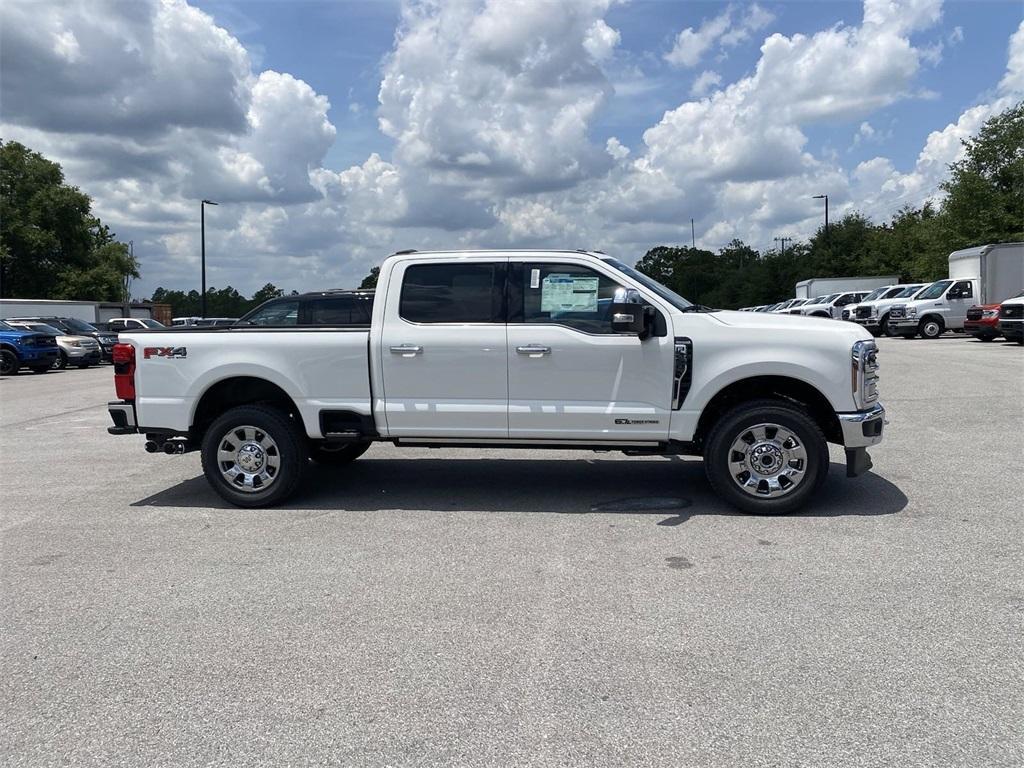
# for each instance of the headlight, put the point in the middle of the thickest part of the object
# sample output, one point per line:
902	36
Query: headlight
911	311
874	311
27	341
75	343
864	373
989	314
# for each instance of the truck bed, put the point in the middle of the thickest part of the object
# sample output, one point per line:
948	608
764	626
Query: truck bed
320	369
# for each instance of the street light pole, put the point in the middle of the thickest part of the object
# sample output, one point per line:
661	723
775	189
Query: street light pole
202	239
825	198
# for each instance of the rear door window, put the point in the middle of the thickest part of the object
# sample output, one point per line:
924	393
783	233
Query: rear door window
469	292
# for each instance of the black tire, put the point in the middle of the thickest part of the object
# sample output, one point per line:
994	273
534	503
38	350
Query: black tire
985	337
8	363
930	327
61	362
83	366
41	369
291	446
731	427
883	326
338	454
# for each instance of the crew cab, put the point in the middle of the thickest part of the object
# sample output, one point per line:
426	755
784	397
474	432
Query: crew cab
510	349
21	348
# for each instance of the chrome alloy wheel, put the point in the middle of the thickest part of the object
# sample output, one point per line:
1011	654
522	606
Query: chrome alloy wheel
248	459
767	461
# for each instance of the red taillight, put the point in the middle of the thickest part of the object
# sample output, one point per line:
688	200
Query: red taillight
123	356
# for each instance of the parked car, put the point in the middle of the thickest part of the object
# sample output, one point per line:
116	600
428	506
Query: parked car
118	324
75	327
21	348
982	322
873	314
537	349
326	308
1011	318
831	305
183	321
80	351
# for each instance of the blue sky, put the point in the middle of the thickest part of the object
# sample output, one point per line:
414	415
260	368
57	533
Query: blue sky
334	132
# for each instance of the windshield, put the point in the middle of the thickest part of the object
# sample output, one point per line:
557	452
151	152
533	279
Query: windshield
875	294
910	291
896	290
671	297
151	323
38	328
798	303
935	290
80	326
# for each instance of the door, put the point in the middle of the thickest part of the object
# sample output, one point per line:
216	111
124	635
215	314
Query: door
443	350
569	376
959	298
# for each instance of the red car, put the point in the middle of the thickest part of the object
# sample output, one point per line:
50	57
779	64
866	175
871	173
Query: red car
983	321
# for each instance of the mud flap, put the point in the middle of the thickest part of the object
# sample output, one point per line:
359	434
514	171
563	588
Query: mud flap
857	461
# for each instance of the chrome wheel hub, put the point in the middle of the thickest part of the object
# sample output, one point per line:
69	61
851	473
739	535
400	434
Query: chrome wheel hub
767	460
248	459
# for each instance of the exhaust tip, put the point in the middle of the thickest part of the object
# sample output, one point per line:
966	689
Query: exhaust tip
151	446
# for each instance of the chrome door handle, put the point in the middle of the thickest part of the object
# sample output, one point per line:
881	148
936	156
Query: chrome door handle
406	349
533	349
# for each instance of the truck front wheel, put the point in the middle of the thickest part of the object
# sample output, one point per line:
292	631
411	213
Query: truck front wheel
8	363
254	456
766	457
930	328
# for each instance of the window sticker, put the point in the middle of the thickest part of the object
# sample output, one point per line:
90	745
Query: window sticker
565	293
535	278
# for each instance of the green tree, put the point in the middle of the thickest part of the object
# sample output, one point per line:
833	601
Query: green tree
370	281
50	244
266	293
985	192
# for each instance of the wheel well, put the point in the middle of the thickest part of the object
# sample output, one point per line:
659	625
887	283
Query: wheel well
238	390
773	387
932	316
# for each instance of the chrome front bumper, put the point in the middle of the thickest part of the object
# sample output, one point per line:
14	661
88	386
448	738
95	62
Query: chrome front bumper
862	429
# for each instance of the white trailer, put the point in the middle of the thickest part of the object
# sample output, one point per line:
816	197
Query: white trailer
999	270
80	310
824	286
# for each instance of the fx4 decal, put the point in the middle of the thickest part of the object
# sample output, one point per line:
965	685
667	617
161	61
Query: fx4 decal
149	352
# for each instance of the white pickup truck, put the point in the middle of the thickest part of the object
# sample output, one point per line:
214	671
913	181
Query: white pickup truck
503	349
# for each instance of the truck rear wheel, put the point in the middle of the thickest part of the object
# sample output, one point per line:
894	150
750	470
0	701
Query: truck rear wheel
766	457
254	456
338	454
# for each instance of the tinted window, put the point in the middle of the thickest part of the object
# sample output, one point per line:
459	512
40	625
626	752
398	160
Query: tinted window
452	293
274	313
569	295
340	310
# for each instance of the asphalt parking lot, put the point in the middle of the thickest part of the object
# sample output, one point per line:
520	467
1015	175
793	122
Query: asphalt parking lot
456	608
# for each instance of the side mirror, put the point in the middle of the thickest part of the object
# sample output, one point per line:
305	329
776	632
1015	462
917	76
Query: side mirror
627	312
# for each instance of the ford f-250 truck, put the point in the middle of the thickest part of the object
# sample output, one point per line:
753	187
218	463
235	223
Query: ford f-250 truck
500	349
